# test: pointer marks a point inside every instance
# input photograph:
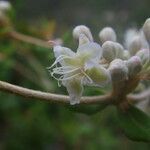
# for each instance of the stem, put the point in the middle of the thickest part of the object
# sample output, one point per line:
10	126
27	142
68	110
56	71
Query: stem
29	39
54	98
62	99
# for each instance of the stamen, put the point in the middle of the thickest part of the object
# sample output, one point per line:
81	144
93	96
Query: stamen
65	72
68	78
61	57
62	68
90	80
59	85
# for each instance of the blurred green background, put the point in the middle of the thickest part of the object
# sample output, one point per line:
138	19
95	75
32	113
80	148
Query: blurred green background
30	124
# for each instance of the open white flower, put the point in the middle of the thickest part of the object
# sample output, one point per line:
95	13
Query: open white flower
80	68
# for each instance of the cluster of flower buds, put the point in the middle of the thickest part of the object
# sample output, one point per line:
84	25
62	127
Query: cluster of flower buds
96	65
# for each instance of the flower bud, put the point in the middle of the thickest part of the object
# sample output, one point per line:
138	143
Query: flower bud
126	54
146	29
135	45
107	34
144	55
118	70
112	50
83	39
134	65
128	36
81	29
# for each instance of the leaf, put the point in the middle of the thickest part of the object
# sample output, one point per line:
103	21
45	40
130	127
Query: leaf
86	109
135	124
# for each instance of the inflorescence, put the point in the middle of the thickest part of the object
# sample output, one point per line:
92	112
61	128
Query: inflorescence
95	65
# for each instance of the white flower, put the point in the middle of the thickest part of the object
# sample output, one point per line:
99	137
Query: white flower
80	68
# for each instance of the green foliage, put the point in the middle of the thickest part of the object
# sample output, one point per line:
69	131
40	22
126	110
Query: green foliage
89	110
135	124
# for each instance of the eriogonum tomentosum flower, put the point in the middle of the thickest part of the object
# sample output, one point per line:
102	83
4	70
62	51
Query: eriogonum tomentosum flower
80	68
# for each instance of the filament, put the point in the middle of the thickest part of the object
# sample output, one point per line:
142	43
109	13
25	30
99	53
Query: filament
61	57
90	80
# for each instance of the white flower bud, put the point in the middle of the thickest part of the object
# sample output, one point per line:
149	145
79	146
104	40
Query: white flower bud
107	34
144	54
83	39
118	70
146	29
112	50
81	29
135	45
4	6
126	54
134	65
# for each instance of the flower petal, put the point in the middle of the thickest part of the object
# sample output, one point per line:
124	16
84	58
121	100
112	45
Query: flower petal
75	89
59	50
92	50
99	75
63	54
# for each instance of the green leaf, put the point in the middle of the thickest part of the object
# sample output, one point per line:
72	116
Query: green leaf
135	124
86	109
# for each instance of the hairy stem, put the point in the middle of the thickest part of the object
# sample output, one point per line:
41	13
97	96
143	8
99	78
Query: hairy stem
62	99
28	39
45	96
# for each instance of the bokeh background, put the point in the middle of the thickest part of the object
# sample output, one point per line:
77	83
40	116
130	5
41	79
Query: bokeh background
32	124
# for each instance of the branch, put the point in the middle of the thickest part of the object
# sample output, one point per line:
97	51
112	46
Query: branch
28	39
54	98
62	99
